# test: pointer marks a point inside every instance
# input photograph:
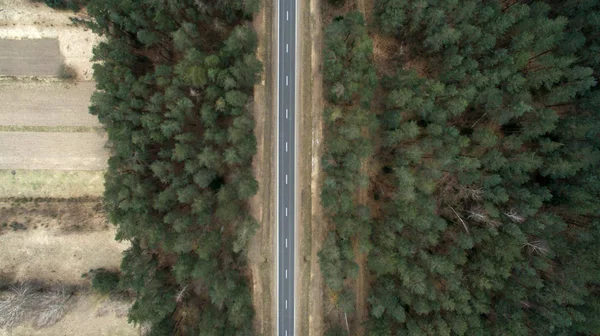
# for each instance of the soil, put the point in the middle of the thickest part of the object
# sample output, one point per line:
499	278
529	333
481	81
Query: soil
69	216
31	57
262	246
53	150
311	230
38	103
24	19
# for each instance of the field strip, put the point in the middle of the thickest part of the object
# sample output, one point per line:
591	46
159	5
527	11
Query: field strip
35	57
67	129
50	183
38	103
53	151
52	255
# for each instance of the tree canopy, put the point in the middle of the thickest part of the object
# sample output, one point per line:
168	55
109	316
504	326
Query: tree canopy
485	203
174	82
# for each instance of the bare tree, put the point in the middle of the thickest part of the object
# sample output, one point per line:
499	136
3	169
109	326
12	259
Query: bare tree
514	216
53	305
16	304
25	301
537	246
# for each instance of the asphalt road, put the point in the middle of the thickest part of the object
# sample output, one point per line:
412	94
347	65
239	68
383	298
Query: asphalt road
286	165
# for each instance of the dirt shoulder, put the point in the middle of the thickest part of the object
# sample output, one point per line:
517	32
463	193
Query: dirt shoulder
262	246
311	230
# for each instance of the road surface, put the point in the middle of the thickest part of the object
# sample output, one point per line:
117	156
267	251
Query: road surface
286	164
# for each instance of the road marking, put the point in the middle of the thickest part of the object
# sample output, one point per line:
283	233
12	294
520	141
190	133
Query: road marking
286	81
286	146
286	274
287	15
285	211
285	242
286	179
285	304
286	114
287	48
286	333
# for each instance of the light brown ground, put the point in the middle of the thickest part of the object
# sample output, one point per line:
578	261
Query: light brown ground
91	315
55	256
262	246
37	103
53	150
31	57
24	19
311	229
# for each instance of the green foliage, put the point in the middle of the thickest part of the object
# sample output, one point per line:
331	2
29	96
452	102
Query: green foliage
105	281
74	5
173	91
350	81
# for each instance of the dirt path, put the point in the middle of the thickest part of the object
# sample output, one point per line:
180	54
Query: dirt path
35	103
50	150
262	246
311	229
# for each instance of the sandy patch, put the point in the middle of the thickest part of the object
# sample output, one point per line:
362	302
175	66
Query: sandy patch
22	19
54	256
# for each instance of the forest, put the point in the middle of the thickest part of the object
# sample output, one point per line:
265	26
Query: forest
483	143
174	86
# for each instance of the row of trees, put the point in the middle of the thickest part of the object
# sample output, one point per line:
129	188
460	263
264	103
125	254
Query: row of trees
350	80
489	143
174	84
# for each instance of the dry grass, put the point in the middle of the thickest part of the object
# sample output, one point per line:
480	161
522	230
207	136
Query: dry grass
50	183
28	302
85	314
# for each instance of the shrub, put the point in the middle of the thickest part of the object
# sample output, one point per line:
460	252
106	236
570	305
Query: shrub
105	281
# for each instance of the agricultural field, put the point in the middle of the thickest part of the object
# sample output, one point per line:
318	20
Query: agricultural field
53	228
